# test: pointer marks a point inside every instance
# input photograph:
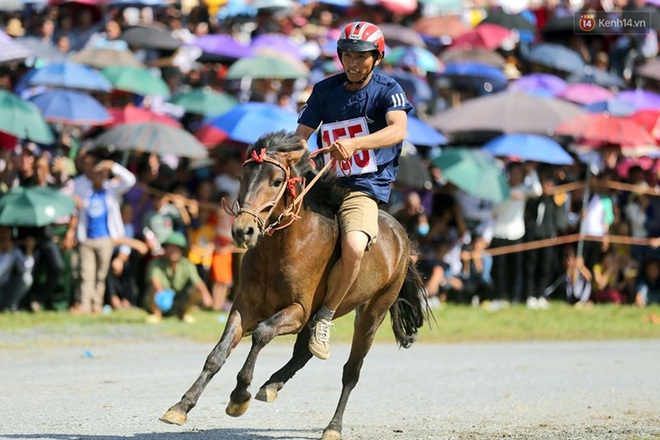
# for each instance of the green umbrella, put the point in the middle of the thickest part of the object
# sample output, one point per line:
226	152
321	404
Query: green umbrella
34	206
205	102
152	137
23	119
268	67
474	172
136	80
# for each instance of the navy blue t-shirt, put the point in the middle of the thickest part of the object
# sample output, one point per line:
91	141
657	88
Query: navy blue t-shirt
343	113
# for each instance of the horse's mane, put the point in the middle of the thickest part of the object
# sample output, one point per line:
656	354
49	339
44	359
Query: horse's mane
326	192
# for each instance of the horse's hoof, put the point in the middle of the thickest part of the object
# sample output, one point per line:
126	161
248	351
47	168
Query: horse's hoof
331	434
174	417
267	394
237	409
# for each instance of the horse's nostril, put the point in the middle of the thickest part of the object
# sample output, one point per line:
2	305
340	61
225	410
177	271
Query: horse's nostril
249	232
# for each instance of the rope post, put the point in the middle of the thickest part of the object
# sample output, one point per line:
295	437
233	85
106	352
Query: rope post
585	201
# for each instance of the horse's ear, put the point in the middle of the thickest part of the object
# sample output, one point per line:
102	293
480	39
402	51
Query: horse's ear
293	157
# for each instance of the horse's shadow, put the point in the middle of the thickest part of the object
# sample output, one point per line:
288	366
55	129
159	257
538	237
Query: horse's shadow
211	434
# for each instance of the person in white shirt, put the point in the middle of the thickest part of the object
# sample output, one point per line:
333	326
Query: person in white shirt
99	222
509	229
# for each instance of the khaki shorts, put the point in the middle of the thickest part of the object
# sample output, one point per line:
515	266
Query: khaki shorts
359	212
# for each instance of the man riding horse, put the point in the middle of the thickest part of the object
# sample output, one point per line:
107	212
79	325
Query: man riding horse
363	118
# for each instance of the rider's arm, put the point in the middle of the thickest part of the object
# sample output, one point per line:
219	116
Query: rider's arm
394	133
304	132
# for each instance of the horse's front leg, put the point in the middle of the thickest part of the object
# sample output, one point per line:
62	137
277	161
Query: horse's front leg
288	320
233	333
301	355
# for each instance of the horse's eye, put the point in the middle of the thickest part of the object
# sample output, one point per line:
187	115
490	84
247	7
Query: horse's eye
278	182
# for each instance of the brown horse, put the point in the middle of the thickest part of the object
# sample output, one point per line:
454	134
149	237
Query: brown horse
284	275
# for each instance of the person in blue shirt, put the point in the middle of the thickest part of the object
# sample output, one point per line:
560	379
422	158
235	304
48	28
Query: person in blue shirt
363	119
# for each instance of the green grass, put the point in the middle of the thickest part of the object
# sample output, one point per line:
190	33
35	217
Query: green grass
453	324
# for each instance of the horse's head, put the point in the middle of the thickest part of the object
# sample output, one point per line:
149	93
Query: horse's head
271	171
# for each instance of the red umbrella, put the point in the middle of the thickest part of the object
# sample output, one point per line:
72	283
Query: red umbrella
649	119
211	136
133	115
602	128
486	36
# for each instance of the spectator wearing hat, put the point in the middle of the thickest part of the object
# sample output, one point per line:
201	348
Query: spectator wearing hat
174	273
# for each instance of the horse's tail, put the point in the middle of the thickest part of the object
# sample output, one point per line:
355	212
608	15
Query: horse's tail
410	309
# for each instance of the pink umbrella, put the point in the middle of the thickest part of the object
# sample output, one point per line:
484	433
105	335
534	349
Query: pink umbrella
486	36
134	115
585	93
398	6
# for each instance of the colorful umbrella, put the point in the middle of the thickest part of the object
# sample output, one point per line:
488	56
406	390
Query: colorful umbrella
136	80
205	102
480	77
275	45
34	206
529	147
413	57
151	37
539	84
509	21
71	75
556	57
585	93
248	122
612	106
485	36
152	137
442	26
507	113
421	133
101	58
267	67
221	47
398	35
640	99
71	107
135	115
607	129
474	172
481	56
23	119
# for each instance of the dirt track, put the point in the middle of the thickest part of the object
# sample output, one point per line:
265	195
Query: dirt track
114	391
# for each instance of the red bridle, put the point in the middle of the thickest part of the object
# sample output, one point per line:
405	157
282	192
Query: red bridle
290	184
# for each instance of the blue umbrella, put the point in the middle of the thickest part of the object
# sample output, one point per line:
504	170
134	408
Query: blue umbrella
417	89
600	77
421	133
614	107
72	75
248	122
71	107
476	76
557	57
529	147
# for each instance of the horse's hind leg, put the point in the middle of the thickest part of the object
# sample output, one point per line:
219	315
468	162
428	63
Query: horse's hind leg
301	355
233	333
289	320
367	322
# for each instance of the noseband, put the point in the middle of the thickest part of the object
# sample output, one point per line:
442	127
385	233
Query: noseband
292	211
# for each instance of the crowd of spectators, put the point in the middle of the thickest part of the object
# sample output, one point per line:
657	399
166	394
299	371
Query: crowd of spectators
98	257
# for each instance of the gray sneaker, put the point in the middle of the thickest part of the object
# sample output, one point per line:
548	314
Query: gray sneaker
319	340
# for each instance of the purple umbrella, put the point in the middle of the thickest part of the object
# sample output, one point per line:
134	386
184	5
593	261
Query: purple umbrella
277	44
640	99
539	84
222	46
585	93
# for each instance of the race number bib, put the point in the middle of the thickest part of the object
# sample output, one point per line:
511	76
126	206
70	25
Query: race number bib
362	162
